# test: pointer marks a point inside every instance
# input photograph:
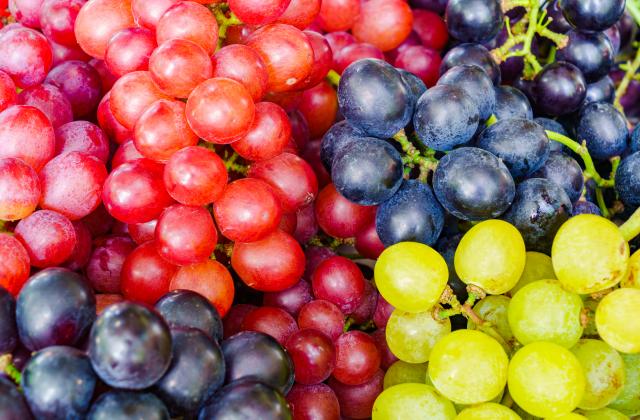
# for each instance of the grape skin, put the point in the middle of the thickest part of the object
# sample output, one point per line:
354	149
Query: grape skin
414	401
411	337
613	317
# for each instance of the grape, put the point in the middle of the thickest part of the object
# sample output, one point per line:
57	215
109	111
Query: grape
184	309
322	63
275	322
383	23
488	411
82	249
12	403
468	367
246	399
189	21
592	53
604	371
313	356
357	358
242	64
491	255
356	401
338	15
603	414
268	135
80	83
628	181
411	336
197	369
416	86
628	401
82	136
585	207
635	139
355	52
633	276
543	311
577	242
538	266
473	20
592	15
338	216
25	55
470	53
539	209
255	12
48	237
27	134
604	129
145	275
19	189
560	89
546	379
120	404
131	95
313	401
148	13
258	356
511	103
493	309
405	373
336	139
473	184
411	276
292	299
603	90
370	78
58	383
446	116
368	243
339	281
50	100
98	21
475	83
210	279
322	316
431	29
610	320
8	95
417	401
129	50
564	171
8	329
319	105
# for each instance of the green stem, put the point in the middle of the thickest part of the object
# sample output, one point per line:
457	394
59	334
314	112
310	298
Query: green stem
631	228
633	7
626	80
333	77
224	21
601	203
7	366
426	163
491	120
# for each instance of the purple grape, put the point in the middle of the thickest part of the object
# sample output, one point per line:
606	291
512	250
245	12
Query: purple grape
187	309
512	103
8	329
560	89
592	53
12	403
565	172
592	15
246	399
603	90
604	129
121	405
475	54
476	83
473	20
628	180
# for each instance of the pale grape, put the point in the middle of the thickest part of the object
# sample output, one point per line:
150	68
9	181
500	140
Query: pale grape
488	411
491	255
544	311
603	414
617	318
493	309
411	336
538	266
628	402
412	401
589	254
468	367
604	370
633	276
546	380
411	276
405	373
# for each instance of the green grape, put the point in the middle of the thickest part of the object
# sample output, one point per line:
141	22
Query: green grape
544	311
628	402
411	276
468	367
617	318
538	266
405	373
568	416
491	255
545	379
633	276
589	254
603	414
411	336
493	309
412	401
604	370
488	411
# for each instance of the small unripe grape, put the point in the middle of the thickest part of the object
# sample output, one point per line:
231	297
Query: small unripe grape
546	379
537	267
468	367
411	336
589	254
493	309
411	276
412	401
405	373
491	255
616	320
628	402
488	411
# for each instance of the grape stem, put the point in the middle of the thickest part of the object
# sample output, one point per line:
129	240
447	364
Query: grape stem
631	228
224	21
333	78
226	249
232	166
329	242
426	163
7	366
632	68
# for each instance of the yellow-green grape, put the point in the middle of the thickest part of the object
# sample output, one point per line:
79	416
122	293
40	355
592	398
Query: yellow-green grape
604	370
617	318
411	276
546	380
411	336
628	402
412	401
603	414
468	367
405	373
493	309
633	276
589	254
538	266
488	411
491	255
568	416
544	311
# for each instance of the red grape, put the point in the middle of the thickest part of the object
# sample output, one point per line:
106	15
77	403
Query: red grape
147	13
82	136
57	18
322	59
387	356
143	232
132	94
191	21
107	78
129	50
431	29
383	23
355	52
288	223
338	216
244	65
105	264
14	264
275	322
19	189
232	322
82	249
339	40
268	135
291	299
319	107
50	100
382	313
27	134
313	402
145	275
25	55
315	255
107	121
62	53
211	279
104	300
364	312
322	316
357	358
8	95
98	21
421	61
300	13
306	226
338	15
27	12
258	12
299	129
339	281
313	355
48	237
126	152
368	244
99	222
356	401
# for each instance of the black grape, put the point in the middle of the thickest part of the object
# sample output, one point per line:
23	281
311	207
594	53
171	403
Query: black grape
187	309
635	139
8	329
12	404
628	180
475	54
475	82
603	90
565	172
415	84
124	405
473	20
592	53
592	15
585	207
555	126
604	129
512	103
334	140
246	399
560	89
558	23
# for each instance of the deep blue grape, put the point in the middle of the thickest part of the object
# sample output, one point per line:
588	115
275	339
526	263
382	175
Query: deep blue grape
558	23
475	54
373	98
412	214
124	405
628	180
473	184
522	145
603	90
415	84
335	139
473	20
130	346
560	89
539	209
565	172
251	354
555	126
585	207
368	171
512	103
8	329
476	83
592	15
58	383
55	307
604	129
187	309
445	117
635	139
246	399
12	404
592	53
